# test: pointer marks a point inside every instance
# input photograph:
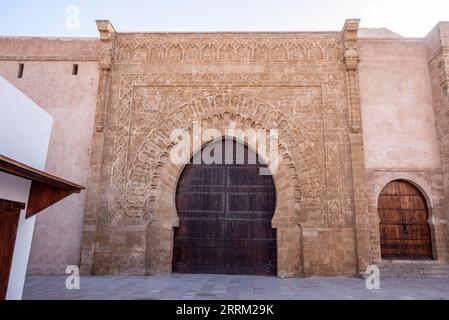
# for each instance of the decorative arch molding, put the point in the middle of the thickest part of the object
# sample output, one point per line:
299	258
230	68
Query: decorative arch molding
151	190
132	120
157	146
285	220
405	229
423	181
418	181
138	180
286	178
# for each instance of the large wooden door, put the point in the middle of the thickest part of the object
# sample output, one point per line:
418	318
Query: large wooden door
9	220
225	213
404	227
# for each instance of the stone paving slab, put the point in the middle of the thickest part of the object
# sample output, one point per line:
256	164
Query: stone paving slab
210	287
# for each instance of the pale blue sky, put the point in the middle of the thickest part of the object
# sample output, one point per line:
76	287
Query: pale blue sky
414	18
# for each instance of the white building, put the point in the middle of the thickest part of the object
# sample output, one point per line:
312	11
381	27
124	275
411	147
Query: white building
25	131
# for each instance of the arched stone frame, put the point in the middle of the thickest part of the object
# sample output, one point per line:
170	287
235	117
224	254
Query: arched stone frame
306	138
285	219
234	109
223	136
424	186
321	205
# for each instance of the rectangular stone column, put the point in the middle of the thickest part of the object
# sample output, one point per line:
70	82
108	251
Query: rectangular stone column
438	47
94	191
351	61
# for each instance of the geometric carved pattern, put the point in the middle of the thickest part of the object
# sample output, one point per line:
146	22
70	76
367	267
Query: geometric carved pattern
144	140
291	82
245	48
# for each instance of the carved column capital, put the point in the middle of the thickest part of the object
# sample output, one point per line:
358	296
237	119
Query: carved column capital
107	32
106	29
351	59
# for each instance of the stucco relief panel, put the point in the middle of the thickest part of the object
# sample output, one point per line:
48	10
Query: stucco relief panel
311	129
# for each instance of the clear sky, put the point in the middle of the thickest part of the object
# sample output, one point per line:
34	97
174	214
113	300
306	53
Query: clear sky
413	18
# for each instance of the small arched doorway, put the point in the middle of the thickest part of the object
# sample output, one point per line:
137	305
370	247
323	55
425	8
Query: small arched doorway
225	212
404	226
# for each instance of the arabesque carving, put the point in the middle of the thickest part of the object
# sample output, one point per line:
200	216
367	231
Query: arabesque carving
294	83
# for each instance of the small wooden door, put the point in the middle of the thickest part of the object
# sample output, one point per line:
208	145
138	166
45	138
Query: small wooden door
225	213
404	227
9	221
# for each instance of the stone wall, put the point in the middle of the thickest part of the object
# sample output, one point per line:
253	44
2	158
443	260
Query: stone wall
71	100
355	110
438	58
399	127
294	82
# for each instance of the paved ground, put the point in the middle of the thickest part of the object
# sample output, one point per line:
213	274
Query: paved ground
206	287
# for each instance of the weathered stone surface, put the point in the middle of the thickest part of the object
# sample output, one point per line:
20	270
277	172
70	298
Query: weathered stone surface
70	100
295	83
353	114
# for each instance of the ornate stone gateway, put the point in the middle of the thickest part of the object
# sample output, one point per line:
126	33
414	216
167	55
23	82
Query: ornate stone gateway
225	213
304	85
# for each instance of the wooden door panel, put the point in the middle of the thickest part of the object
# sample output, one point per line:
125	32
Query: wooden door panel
247	176
392	248
200	214
202	176
391	189
248	230
418	249
9	221
251	202
417	232
404	228
415	217
207	229
407	189
199	201
262	261
389	202
412	202
390	216
391	231
225	213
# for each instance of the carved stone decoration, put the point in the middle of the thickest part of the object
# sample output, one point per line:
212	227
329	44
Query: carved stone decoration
243	48
292	82
206	104
351	60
